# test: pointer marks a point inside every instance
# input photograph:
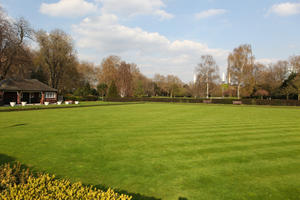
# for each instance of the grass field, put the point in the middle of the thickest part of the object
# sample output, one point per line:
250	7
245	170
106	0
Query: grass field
163	151
81	104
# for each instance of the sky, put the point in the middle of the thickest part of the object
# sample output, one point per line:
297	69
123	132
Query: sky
168	36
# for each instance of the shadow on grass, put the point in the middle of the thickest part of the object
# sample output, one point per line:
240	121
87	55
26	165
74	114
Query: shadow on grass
6	159
16	125
135	196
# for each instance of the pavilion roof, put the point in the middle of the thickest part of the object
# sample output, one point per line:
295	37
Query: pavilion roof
25	85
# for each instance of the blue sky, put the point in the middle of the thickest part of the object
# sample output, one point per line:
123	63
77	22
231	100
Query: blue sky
168	36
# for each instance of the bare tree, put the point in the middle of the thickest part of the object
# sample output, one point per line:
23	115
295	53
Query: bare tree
258	73
161	84
56	54
173	85
207	72
88	73
125	79
109	69
295	63
240	68
277	74
13	49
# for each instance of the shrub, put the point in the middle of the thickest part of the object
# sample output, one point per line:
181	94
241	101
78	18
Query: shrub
113	91
21	184
71	97
273	102
10	175
223	101
90	98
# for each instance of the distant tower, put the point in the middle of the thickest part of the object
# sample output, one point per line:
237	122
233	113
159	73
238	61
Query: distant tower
223	78
195	78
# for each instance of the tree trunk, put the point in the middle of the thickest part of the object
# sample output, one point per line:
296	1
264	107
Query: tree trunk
238	91
207	90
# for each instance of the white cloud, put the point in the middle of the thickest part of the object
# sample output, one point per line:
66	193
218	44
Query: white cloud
123	8
130	8
68	8
285	9
163	14
266	61
103	35
210	13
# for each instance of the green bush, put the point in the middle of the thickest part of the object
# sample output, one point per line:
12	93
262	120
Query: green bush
223	101
273	102
17	183
113	91
70	97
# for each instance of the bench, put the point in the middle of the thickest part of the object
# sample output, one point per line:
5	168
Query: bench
237	102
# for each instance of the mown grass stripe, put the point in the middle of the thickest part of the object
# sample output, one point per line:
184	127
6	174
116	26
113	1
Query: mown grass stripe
164	150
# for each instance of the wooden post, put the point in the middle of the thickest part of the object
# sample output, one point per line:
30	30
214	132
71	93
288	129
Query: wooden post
43	98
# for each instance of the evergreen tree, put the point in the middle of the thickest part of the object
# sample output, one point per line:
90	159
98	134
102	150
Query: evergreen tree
113	91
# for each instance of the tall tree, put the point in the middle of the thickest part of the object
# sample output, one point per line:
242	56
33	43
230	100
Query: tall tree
102	89
287	88
113	91
109	69
125	79
56	55
13	49
141	85
207	72
173	85
88	73
275	76
258	73
295	63
296	83
161	83
240	68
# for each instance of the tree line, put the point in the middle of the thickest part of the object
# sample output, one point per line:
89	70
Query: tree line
54	61
248	78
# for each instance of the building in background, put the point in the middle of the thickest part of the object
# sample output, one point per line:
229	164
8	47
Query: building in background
30	91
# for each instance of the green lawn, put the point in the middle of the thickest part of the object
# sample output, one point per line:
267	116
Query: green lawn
81	104
164	151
